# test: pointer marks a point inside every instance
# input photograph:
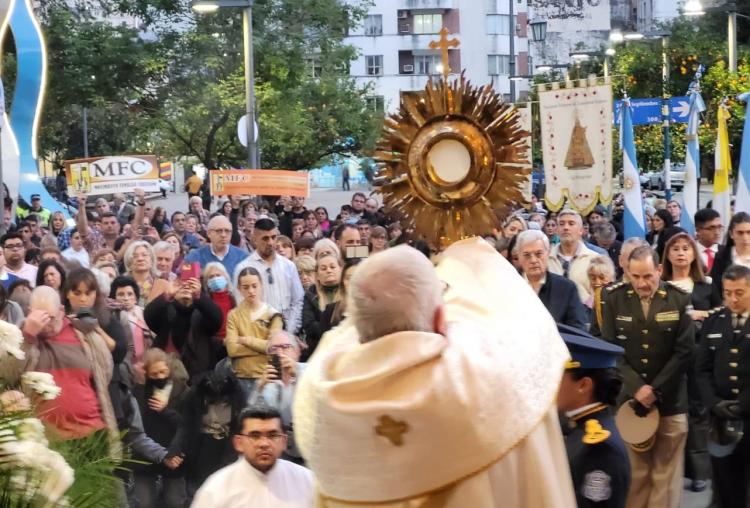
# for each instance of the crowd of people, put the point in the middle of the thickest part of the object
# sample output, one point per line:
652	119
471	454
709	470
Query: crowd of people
189	332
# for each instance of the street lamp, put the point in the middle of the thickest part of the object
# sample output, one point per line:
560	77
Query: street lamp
209	6
694	8
538	29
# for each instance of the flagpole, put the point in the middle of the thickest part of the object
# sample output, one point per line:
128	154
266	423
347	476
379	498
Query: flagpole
2	180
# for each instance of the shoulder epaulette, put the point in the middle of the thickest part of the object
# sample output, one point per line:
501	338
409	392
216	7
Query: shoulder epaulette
595	434
616	285
713	311
675	286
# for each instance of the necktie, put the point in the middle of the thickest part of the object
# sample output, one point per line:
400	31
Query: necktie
709	258
738	321
645	304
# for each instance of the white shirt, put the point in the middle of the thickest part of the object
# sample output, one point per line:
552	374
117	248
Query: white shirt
702	251
240	485
82	256
284	294
26	271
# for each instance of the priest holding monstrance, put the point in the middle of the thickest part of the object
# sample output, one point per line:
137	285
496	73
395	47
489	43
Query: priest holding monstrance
439	388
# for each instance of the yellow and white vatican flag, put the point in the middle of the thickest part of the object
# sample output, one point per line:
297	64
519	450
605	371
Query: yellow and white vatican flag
722	198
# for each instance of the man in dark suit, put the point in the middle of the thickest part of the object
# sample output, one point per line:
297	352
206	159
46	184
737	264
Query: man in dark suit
724	381
557	293
708	231
649	318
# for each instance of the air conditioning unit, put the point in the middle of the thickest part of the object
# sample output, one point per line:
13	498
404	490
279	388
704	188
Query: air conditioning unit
403	14
408	69
404	29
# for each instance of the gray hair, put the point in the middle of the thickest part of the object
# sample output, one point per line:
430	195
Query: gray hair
161	246
46	298
530	236
605	231
128	257
293	339
570	211
215	265
398	290
325	243
634	242
602	264
196	199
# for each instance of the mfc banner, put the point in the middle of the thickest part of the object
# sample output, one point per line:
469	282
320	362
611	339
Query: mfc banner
576	130
111	174
259	182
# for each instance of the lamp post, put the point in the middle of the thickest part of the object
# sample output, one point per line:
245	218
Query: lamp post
208	6
694	8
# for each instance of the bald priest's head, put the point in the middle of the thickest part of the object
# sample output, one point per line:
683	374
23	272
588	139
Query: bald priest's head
396	290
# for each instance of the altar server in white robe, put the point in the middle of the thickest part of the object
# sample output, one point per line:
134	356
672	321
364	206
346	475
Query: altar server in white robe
259	478
438	389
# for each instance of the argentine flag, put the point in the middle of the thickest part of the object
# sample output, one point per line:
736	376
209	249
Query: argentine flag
634	221
692	161
742	198
723	167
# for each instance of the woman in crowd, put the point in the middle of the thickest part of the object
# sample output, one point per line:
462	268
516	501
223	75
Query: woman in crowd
109	269
513	225
192	224
334	312
248	328
174	240
104	255
550	229
140	263
56	226
160	401
736	249
306	270
217	281
324	292
322	214
125	292
160	221
185	320
378	240
298	226
10	311
601	272
19	291
682	266
225	208
325	247
50	273
661	220
285	247
312	224
76	252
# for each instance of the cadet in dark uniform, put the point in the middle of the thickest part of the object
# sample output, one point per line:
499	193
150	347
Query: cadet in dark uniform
598	457
648	318
724	380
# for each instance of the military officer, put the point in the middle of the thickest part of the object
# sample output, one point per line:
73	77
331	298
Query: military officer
648	317
597	454
724	380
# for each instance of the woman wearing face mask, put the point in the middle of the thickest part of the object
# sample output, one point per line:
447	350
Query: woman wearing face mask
160	401
124	290
324	292
248	328
216	279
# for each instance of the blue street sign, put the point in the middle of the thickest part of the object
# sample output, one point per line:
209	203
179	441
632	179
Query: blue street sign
648	111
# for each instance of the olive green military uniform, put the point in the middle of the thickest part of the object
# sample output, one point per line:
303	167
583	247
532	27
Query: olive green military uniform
658	351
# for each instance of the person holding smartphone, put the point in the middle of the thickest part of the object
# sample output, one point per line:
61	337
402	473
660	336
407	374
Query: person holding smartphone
249	327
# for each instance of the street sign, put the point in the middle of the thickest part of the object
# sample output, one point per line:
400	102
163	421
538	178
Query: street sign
242	130
648	111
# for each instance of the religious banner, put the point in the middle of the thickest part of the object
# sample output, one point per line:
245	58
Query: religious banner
576	130
524	120
259	182
111	174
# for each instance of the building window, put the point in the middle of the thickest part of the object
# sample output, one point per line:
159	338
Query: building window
313	63
374	65
427	23
498	24
426	64
498	65
376	103
374	24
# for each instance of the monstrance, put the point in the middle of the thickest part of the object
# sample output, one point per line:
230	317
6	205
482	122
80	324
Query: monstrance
451	157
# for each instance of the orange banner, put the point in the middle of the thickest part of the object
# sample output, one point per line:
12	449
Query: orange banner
259	182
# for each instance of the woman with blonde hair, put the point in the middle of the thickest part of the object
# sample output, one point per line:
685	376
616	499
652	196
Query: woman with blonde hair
220	289
514	225
285	247
306	270
140	263
324	292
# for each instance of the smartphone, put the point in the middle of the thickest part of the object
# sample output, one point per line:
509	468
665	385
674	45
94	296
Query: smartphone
357	251
190	271
276	363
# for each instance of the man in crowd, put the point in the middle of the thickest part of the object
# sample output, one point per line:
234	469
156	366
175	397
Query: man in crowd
399	385
288	209
649	318
628	246
363	226
109	229
708	229
218	250
724	381
179	223
605	235
371	212
196	208
558	294
15	255
282	288
358	204
122	209
259	478
165	254
24	229
570	258
37	208
101	206
675	210
346	235
248	226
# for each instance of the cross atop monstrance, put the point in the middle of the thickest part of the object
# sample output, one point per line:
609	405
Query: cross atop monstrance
443	44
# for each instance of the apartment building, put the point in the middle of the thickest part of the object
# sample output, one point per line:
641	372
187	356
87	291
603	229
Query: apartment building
395	55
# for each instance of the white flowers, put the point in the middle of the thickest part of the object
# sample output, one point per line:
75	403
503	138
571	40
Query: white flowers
37	470
11	339
41	383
